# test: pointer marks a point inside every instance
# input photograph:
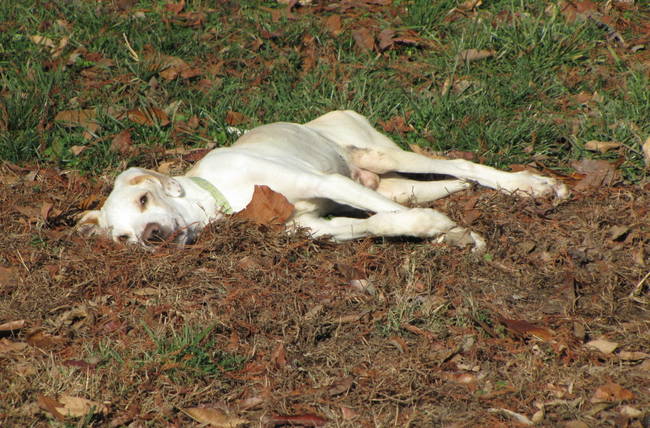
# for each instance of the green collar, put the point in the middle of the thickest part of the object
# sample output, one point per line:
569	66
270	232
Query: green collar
222	202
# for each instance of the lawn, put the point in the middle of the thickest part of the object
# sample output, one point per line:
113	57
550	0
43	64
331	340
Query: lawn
252	327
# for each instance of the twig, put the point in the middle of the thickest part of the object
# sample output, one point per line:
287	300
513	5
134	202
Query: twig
133	53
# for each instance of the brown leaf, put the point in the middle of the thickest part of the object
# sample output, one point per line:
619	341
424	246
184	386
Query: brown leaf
12	325
304	420
279	356
470	55
364	39
122	142
604	346
149	116
397	124
42	41
50	405
175	8
267	207
597	173
82	118
601	146
386	39
333	24
7	346
214	417
633	355
470	4
46	208
77	407
77	150
8	276
525	328
611	392
234	118
44	340
646	152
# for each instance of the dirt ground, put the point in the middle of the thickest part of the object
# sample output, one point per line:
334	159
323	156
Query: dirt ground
549	327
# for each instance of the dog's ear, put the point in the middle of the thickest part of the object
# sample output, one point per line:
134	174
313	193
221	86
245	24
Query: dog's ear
134	175
88	224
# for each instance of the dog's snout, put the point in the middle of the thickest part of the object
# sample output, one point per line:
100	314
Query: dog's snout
154	232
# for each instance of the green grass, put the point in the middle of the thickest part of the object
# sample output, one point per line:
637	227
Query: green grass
515	101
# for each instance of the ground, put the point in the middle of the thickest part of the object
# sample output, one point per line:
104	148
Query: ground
254	327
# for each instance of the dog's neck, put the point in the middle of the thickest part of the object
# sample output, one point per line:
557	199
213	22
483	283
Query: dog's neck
199	205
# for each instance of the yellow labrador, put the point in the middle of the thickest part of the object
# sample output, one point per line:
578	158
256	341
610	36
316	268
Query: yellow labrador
338	158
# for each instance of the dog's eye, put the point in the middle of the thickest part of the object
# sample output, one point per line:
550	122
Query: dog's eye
143	200
123	238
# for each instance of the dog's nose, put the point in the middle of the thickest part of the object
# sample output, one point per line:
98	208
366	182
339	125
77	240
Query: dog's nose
153	232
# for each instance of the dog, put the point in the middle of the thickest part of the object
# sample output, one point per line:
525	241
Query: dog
338	159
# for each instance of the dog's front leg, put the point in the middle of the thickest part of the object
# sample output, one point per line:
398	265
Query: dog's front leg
416	222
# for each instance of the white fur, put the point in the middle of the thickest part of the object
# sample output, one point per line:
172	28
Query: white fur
338	157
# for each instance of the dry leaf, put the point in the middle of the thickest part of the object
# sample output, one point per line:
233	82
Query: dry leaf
386	39
77	150
42	41
601	146
304	420
267	207
83	118
234	118
633	356
7	346
214	417
611	392
149	116
333	24
364	39
77	407
646	152
470	4
44	340
12	325
122	142
604	346
475	54
597	173
525	328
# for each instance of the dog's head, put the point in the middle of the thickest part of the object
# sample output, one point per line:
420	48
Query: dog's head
144	207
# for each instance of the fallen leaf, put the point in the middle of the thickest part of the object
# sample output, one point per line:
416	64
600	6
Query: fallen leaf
398	343
149	116
50	405
304	420
42	41
122	142
364	39
602	345
7	346
333	24
77	150
631	412
42	340
646	152
234	118
12	325
83	118
8	276
214	417
524	328
279	357
385	39
470	55
597	173
175	8
633	356
77	407
267	207
611	392
601	146
397	124
470	4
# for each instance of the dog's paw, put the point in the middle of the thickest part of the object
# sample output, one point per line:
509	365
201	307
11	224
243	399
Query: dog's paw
527	184
461	237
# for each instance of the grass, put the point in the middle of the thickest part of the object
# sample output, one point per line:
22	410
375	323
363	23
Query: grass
511	101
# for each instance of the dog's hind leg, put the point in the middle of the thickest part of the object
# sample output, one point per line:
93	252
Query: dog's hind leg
403	190
383	160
